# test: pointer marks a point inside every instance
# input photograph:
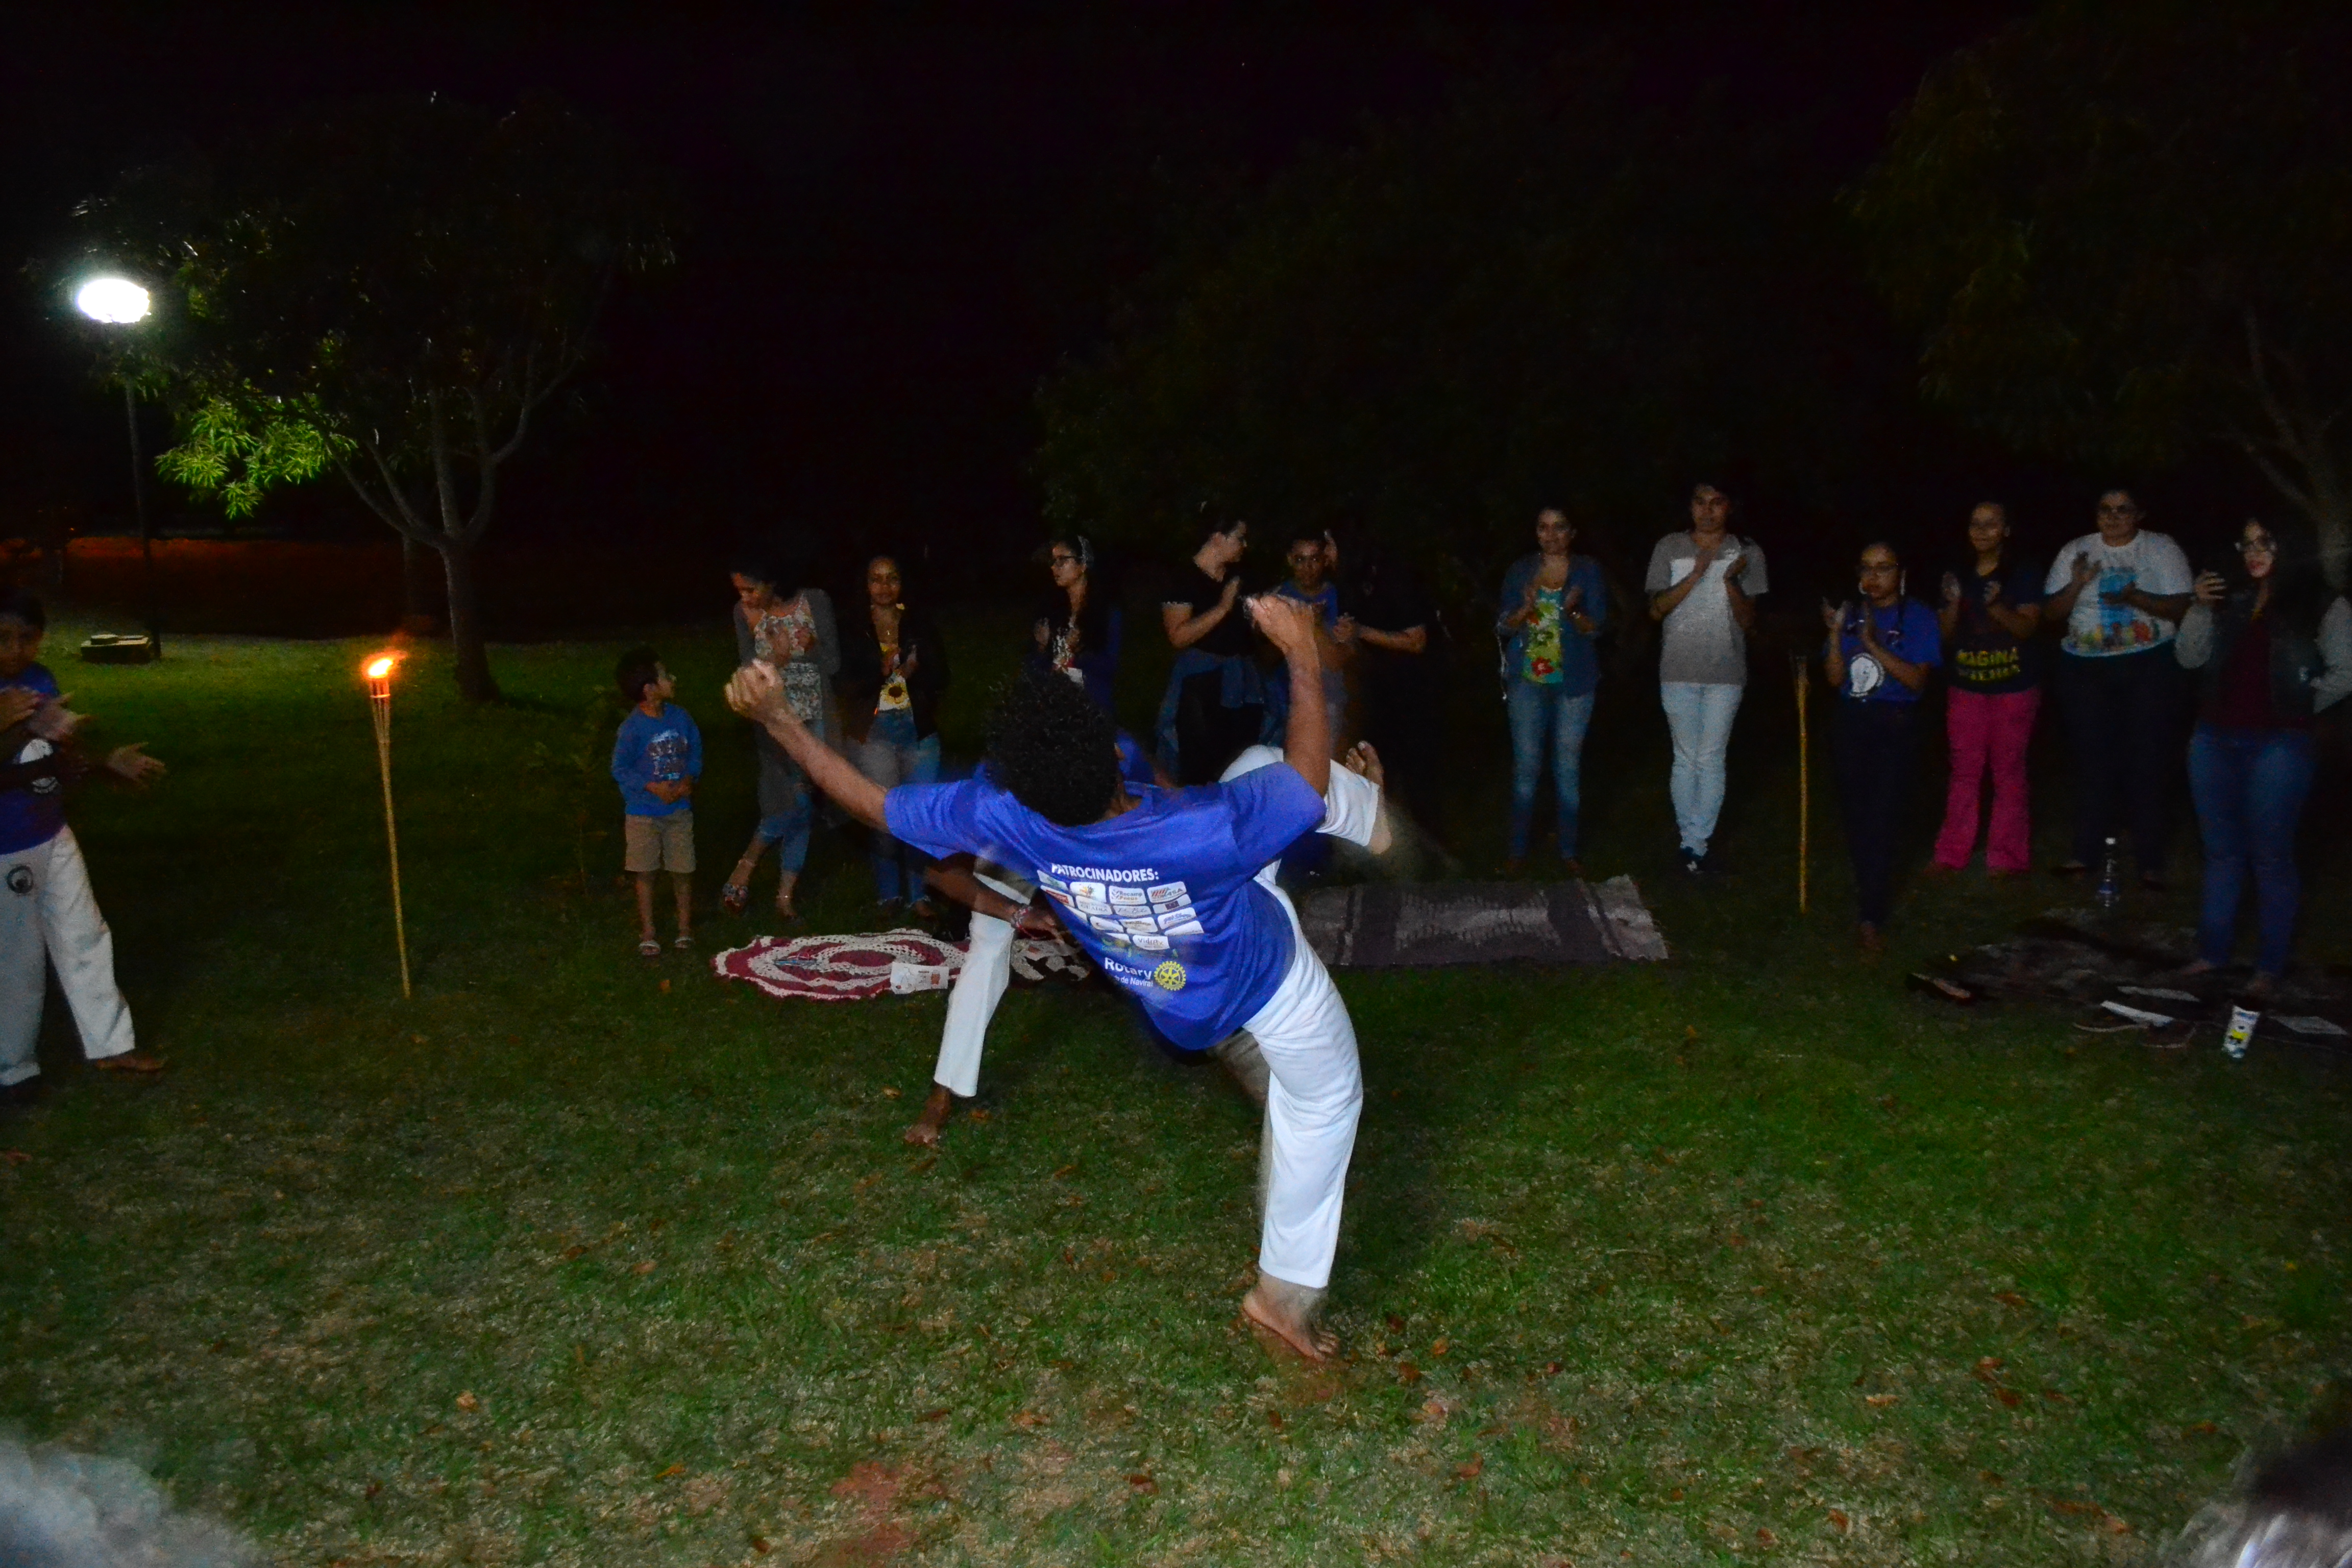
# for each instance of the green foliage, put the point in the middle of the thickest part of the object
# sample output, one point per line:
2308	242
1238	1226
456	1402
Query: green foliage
1544	295
2122	230
225	453
403	278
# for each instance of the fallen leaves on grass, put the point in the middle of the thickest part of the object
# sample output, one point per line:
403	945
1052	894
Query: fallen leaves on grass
1878	1401
1408	1372
1144	1484
1026	1419
673	1471
1838	1522
14	1157
645	1268
2010	1299
467	1402
938	1415
1471	1471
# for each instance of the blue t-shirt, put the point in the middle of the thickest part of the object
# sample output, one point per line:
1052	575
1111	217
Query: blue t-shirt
1325	600
655	750
1908	631
37	812
1163	896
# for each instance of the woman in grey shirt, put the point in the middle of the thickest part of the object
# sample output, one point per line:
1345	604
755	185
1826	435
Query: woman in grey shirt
790	627
1703	588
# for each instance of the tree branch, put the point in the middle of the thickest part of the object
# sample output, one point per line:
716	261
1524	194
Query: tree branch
486	485
444	485
393	506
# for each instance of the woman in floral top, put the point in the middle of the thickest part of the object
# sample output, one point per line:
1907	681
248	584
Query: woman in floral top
1553	605
791	629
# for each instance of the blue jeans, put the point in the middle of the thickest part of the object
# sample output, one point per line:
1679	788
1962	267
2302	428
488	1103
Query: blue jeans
1698	716
890	755
1539	713
2250	787
788	830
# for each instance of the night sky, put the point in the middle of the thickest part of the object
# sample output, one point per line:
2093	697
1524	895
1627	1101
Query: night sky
897	228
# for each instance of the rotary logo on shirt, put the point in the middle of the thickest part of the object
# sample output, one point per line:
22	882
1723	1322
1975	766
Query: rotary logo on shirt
37	750
1144	917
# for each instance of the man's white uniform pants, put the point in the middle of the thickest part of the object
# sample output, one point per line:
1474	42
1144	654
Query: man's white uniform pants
1316	1086
49	912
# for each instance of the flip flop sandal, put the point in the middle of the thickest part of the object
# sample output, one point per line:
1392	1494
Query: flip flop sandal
787	914
649	948
685	943
734	897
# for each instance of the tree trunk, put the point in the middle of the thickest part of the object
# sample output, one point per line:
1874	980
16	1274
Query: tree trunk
2331	514
475	682
416	610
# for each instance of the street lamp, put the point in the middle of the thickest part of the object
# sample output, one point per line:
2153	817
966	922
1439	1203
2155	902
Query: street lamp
119	302
378	672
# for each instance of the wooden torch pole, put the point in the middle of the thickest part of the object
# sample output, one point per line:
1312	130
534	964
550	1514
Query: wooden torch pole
1802	668
380	709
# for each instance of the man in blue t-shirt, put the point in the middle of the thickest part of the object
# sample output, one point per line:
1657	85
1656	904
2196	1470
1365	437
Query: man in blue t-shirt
48	913
1162	888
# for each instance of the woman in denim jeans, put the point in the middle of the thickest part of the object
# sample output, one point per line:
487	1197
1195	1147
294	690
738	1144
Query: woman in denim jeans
2271	647
893	669
1553	605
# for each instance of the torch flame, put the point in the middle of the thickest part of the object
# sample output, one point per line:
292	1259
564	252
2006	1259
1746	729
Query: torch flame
380	668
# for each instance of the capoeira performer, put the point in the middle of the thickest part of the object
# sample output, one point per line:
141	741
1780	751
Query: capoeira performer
1004	909
1163	889
48	912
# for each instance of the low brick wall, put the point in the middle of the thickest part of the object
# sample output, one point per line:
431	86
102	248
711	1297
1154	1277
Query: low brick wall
272	587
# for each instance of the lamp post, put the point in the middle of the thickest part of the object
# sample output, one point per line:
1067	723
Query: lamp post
378	672
119	302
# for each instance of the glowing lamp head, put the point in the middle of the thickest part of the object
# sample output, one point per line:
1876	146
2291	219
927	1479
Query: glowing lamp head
378	671
117	301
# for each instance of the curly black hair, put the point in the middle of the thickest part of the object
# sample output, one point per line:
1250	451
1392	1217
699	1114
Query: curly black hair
1054	749
638	668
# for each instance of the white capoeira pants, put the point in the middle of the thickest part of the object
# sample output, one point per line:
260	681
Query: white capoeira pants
48	914
979	988
1312	1101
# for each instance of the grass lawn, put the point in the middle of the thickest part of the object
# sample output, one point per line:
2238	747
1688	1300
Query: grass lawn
1747	1256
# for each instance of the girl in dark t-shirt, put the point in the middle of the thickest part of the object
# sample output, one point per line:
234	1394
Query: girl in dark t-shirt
1990	612
1216	702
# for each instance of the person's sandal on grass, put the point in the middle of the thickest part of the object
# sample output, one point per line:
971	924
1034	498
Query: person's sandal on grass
650	946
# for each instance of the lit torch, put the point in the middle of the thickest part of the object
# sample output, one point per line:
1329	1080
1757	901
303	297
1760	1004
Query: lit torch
378	671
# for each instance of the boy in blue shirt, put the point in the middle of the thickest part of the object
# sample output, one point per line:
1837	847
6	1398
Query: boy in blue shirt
1162	887
657	757
46	909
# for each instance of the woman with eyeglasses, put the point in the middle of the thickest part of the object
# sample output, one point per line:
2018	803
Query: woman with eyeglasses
2271	646
1880	651
1077	629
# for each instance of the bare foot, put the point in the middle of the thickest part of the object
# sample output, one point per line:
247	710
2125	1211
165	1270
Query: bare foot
1288	1312
133	1063
2259	987
935	1113
2194	968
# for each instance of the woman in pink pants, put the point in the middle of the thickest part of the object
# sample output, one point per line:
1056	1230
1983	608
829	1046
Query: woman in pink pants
1989	615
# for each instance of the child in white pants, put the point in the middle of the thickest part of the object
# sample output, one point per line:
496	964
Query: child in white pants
48	912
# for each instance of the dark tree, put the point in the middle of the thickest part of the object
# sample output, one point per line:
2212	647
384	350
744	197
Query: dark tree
1544	294
2125	229
392	291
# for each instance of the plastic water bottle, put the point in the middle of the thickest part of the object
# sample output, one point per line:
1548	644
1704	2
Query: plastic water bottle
2110	892
2240	1033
